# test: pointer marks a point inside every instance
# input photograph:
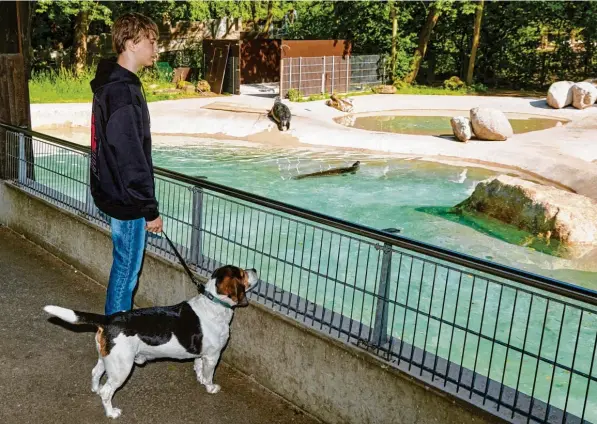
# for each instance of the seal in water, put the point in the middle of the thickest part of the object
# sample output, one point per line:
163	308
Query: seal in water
334	171
281	114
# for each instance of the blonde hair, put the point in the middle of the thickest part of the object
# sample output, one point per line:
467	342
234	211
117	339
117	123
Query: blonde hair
131	26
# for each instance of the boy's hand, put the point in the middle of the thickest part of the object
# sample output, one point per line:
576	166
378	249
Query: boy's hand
154	226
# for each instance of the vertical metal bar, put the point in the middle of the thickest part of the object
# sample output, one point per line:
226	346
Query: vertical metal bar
196	239
555	363
530	414
300	72
290	73
333	74
412	350
573	362
524	345
323	77
497	321
428	319
347	60
380	328
505	366
22	160
584	408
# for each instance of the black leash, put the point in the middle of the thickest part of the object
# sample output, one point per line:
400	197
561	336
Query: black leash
199	285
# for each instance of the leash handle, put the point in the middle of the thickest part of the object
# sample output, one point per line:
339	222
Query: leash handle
200	286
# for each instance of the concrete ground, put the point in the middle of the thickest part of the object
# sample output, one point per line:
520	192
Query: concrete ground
45	368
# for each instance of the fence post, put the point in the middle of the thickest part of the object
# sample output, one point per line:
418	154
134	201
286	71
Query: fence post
347	60
22	160
333	74
196	254
380	327
300	71
323	77
290	73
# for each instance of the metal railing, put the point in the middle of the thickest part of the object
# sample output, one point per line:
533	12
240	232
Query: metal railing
518	345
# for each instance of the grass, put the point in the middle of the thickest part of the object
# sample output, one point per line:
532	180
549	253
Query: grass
62	86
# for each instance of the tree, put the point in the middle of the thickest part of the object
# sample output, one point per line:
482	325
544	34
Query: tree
476	37
394	17
85	12
433	14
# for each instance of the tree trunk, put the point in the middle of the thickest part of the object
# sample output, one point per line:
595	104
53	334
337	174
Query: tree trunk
475	46
394	17
14	110
80	42
270	17
424	37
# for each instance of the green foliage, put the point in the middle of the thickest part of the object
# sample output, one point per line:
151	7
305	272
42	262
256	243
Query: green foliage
454	83
522	44
294	95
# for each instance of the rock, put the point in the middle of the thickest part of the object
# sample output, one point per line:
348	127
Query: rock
543	211
584	95
490	124
188	89
559	94
343	105
385	89
203	86
462	128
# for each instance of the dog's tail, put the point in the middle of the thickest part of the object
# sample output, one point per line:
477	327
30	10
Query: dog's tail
76	317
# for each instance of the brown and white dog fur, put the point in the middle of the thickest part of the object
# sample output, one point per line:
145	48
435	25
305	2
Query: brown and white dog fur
195	329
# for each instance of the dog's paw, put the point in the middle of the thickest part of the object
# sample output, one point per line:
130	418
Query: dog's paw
114	413
140	359
212	388
95	389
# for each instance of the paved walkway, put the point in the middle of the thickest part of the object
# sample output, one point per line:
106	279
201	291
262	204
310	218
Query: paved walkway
45	368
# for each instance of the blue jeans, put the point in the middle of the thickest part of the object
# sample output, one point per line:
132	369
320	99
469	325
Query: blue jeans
128	238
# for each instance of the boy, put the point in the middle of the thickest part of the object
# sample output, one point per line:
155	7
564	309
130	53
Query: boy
121	169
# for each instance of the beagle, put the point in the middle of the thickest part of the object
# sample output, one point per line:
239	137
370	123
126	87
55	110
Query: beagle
195	329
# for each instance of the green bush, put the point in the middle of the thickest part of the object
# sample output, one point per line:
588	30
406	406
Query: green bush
294	95
454	83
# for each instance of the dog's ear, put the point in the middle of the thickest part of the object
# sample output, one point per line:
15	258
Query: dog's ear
221	273
241	294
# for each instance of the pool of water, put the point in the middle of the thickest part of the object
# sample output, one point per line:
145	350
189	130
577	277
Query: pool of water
387	192
439	125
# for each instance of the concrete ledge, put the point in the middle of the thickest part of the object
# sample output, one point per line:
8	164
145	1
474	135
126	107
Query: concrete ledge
334	381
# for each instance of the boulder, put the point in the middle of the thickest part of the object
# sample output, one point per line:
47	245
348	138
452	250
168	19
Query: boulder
559	94
543	211
584	94
490	124
202	86
461	126
384	89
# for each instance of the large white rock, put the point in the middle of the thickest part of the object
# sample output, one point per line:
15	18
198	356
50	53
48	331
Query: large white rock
584	94
543	211
559	94
461	126
490	124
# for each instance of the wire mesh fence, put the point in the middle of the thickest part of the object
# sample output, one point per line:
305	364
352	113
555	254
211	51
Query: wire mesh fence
519	351
331	74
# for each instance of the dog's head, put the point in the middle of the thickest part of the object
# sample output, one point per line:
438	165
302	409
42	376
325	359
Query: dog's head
233	282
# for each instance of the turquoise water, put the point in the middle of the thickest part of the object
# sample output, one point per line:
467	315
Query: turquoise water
440	125
413	196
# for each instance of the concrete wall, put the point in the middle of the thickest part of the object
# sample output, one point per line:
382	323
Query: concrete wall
333	381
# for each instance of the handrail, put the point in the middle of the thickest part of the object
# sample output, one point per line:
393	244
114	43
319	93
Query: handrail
503	271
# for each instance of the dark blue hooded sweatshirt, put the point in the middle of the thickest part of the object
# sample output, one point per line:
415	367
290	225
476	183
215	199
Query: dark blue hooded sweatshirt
121	169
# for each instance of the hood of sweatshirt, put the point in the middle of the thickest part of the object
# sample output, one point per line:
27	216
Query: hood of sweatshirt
110	72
